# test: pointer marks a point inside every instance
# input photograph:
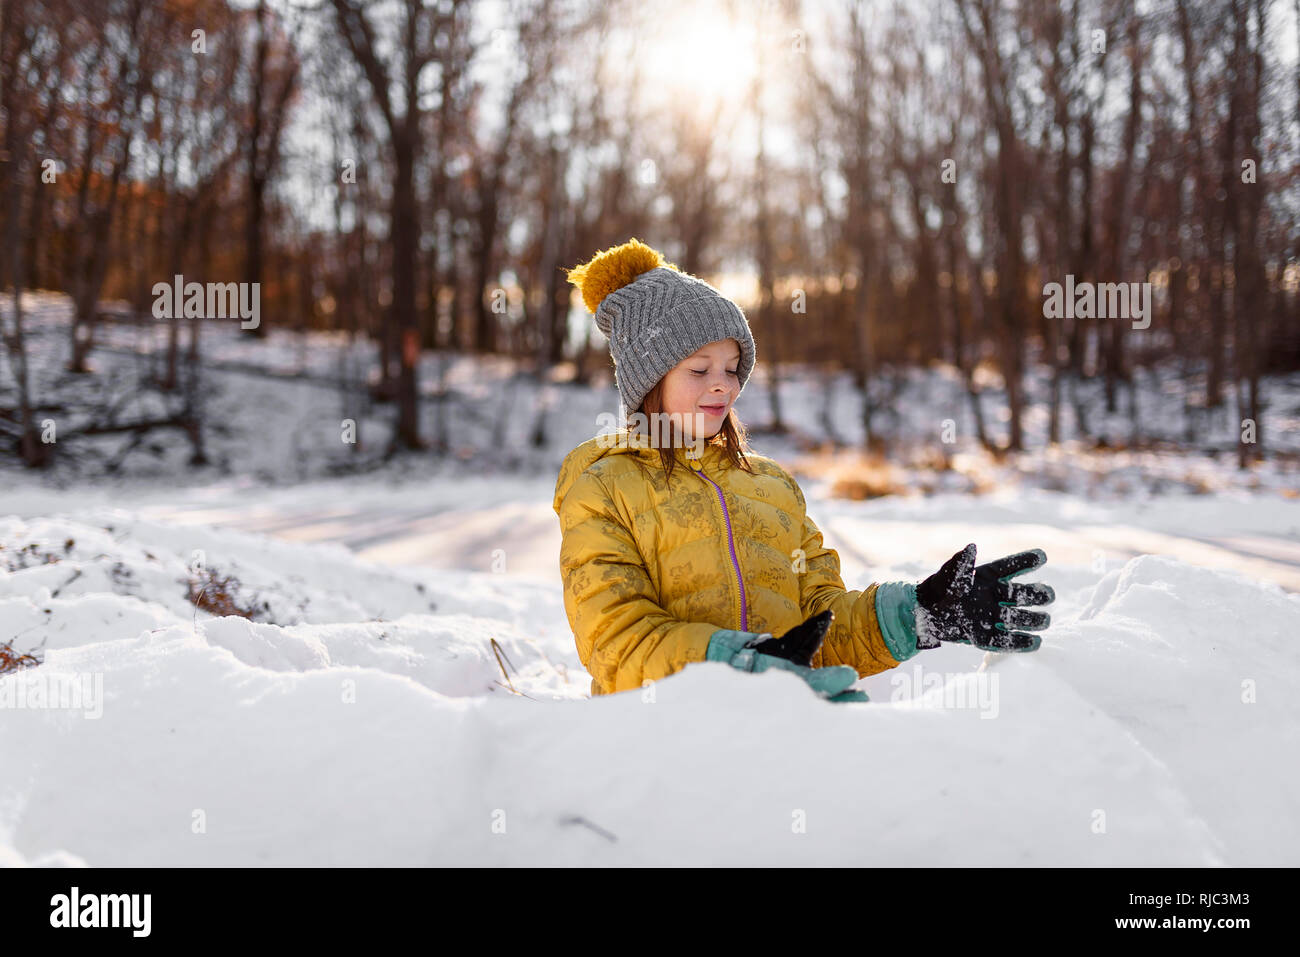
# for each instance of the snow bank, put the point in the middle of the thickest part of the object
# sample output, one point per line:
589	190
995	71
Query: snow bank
363	717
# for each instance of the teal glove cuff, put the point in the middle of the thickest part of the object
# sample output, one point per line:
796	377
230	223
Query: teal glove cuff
729	647
896	613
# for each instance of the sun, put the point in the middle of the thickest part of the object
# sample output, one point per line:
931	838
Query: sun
699	56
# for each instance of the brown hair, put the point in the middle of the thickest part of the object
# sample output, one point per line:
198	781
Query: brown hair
733	437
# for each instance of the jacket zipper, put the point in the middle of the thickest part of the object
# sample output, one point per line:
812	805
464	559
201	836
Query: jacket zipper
731	542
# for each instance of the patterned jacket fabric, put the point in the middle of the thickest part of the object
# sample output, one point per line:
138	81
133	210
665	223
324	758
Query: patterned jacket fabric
652	567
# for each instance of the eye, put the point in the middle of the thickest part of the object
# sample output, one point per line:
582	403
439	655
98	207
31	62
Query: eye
698	371
731	372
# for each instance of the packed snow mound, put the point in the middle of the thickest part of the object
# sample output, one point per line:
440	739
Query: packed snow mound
114	552
364	716
1200	666
274	605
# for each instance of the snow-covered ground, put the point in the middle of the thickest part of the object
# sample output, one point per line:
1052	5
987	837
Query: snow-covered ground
273	411
406	689
363	717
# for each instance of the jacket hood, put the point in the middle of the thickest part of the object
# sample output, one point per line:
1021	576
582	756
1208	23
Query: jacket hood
610	443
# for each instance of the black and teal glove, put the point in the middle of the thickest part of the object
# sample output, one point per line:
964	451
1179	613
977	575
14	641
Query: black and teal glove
980	605
801	642
793	651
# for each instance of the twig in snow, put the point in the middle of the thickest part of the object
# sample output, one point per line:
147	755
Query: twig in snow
520	693
75	575
500	653
575	819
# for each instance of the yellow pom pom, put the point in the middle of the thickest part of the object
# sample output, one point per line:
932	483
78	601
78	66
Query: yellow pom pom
614	268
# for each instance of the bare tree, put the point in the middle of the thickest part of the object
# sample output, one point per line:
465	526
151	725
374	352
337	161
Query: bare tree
398	96
273	80
121	64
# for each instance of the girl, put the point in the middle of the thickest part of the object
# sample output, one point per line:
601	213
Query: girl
680	544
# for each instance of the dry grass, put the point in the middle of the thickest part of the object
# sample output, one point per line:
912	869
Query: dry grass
219	596
502	661
868	479
33	553
11	660
857	475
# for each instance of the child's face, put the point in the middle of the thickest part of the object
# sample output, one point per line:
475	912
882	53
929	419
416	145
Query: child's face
702	387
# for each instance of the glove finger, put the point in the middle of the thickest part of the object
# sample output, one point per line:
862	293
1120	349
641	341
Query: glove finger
1024	618
1026	593
812	634
954	577
805	647
1013	565
826	682
829	682
801	642
764	662
1009	641
797	645
961	567
844	696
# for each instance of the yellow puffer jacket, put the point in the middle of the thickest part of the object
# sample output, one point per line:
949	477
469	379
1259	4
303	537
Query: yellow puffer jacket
650	572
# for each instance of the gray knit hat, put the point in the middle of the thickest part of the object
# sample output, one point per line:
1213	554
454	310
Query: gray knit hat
655	316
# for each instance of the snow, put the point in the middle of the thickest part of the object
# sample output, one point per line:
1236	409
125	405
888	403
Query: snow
407	690
367	721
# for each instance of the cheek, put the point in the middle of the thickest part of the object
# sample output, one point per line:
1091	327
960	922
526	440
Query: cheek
677	395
